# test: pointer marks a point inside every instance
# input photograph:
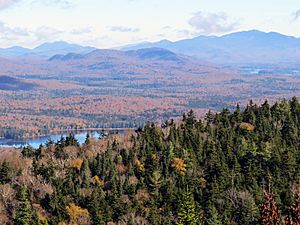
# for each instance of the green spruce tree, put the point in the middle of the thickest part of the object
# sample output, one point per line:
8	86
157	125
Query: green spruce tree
187	210
23	215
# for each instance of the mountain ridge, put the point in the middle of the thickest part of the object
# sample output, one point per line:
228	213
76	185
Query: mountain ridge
242	47
252	46
47	49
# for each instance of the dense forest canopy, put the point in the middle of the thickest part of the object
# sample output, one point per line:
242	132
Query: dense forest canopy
239	167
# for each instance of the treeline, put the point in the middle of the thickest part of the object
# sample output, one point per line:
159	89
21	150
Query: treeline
12	133
239	167
18	133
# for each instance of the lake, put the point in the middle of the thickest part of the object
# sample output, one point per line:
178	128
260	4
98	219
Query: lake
37	141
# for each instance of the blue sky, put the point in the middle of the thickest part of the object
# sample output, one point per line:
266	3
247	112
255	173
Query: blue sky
109	23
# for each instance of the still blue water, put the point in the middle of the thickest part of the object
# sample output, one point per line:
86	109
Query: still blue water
36	142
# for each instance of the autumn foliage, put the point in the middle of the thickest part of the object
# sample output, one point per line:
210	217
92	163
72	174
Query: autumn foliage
247	126
189	172
179	165
78	216
270	214
76	163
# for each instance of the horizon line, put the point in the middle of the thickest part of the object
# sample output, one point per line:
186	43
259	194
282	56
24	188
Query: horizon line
141	42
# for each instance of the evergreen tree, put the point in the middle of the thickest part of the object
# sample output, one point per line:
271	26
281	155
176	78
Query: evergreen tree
224	161
23	215
87	139
213	217
86	174
5	173
187	210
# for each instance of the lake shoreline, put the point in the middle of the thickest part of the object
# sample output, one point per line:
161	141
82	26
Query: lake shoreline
35	142
63	131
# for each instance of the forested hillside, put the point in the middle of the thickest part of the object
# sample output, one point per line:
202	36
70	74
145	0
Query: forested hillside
238	167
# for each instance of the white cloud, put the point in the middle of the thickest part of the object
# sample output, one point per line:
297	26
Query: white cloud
124	29
31	37
9	33
212	23
7	3
47	33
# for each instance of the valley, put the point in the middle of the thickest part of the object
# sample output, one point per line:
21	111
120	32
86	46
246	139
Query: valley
41	93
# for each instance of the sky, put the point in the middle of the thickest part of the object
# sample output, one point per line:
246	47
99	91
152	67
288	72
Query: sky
111	23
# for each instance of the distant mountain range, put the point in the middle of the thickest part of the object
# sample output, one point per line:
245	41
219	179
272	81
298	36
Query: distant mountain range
242	47
141	54
149	62
45	50
237	48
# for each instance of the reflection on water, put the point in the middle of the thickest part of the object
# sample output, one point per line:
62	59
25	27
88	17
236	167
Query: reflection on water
36	142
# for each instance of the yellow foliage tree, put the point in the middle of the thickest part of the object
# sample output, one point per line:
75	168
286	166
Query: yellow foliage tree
246	126
98	181
78	215
179	165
